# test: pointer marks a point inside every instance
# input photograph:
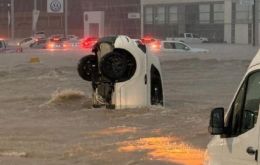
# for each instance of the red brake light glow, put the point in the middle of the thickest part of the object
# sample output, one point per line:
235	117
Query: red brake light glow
89	42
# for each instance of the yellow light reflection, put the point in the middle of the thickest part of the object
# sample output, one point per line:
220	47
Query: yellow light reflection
111	131
168	149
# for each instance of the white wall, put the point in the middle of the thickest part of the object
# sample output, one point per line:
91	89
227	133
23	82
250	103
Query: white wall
94	17
241	34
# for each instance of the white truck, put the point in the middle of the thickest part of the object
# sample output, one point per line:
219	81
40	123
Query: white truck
237	135
190	38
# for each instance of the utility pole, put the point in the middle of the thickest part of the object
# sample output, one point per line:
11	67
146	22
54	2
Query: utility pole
8	19
34	27
66	18
254	24
35	4
12	19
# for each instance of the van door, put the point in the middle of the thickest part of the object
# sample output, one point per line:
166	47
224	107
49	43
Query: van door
241	142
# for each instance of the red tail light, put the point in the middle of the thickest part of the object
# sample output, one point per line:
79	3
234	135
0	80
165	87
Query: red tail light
156	45
148	39
50	45
89	42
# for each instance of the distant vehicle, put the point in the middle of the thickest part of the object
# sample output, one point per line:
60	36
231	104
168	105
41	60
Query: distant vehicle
26	42
236	134
39	35
176	46
72	37
39	44
57	38
55	42
190	38
2	45
148	39
89	42
151	42
69	44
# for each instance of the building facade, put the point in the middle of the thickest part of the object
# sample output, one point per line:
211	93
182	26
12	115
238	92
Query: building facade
117	20
228	21
170	18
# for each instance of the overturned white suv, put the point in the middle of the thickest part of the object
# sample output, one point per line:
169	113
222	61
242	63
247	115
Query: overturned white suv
123	75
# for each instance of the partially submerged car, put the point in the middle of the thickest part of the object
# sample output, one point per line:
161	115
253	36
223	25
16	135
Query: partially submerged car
26	42
174	47
122	74
237	135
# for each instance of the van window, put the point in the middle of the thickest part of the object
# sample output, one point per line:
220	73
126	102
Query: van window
252	102
244	110
169	45
1	44
180	46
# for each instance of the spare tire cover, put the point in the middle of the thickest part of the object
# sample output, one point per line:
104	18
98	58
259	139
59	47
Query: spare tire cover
88	67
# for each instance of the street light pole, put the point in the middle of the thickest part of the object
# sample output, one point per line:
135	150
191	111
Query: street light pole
12	19
66	18
255	23
254	27
34	25
8	20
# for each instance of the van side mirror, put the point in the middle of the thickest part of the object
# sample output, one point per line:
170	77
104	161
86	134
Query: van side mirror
249	119
216	124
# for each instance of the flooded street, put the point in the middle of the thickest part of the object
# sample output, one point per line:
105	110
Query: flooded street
46	115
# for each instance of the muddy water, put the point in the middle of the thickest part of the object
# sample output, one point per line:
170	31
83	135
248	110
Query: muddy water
46	115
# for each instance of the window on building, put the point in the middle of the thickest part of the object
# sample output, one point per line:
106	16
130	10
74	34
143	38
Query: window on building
218	13
243	13
160	15
173	14
148	12
204	13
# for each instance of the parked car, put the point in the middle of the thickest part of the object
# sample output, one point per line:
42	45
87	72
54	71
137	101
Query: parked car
191	38
26	42
122	74
237	135
72	37
70	44
56	41
175	46
2	45
39	44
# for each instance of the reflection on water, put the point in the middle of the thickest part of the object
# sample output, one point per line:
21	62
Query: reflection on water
168	149
112	131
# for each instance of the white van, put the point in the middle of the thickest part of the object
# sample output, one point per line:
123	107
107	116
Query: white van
236	136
